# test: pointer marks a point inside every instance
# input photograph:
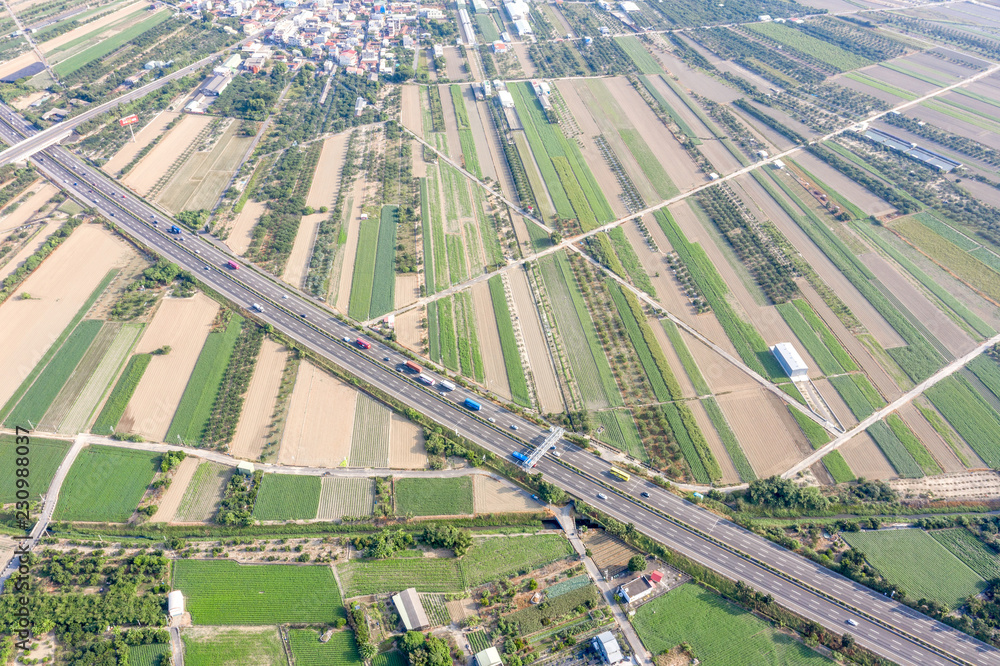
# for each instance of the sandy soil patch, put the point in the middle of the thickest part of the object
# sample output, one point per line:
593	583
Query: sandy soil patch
407	288
757	418
320	421
410	113
143	138
298	261
22	255
155	164
20	62
88	28
455	64
20	215
199	182
930	438
410	332
178	485
182	323
326	177
493	496
865	459
252	429
239	236
489	340
520	49
975	485
523	307
58	288
406	444
24	102
687	387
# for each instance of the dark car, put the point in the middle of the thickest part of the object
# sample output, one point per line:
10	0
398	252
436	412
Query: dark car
303	315
645	494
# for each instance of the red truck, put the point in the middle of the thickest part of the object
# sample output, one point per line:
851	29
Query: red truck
232	264
364	344
413	367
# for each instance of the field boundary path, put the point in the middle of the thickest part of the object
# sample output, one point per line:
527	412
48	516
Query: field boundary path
176	646
49	501
565	517
31	42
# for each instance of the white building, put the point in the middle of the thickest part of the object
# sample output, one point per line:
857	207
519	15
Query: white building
635	590
522	27
607	646
175	604
489	657
411	611
790	361
517	9
628	6
506	99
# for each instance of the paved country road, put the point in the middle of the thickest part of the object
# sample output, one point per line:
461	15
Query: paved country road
883	626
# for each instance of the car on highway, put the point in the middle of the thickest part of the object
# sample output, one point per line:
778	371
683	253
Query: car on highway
112	214
491	420
385	358
644	494
513	426
207	268
851	622
303	315
123	196
602	496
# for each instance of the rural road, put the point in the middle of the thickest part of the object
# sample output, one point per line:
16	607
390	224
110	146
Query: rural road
883	626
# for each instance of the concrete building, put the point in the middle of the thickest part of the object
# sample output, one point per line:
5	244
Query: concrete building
175	604
635	590
216	85
245	468
506	99
410	610
607	646
790	361
516	9
522	27
488	657
233	61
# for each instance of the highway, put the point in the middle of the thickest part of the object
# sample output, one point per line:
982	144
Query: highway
883	626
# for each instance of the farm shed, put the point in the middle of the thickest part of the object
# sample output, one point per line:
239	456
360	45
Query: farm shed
175	604
410	610
790	361
635	589
488	657
245	468
506	99
607	646
655	577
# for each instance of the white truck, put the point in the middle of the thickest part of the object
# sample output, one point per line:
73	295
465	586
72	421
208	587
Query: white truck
425	380
257	307
447	386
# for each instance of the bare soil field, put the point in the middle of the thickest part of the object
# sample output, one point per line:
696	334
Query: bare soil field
144	137
178	485
183	324
406	444
43	191
326	176
93	26
868	90
240	234
320	422
457	610
494	496
899	80
523	307
455	64
199	182
687	388
755	417
865	459
49	226
835	402
20	62
298	261
489	341
729	473
481	127
930	438
355	200
58	288
609	554
24	102
411	114
972	485
407	288
253	427
155	164
450	123
410	332
520	49
842	185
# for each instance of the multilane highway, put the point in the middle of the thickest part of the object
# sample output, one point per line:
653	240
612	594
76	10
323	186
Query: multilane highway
882	625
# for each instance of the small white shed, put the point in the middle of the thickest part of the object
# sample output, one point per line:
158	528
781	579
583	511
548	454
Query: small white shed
175	603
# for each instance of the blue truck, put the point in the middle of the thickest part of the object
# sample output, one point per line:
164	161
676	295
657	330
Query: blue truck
175	229
520	456
472	404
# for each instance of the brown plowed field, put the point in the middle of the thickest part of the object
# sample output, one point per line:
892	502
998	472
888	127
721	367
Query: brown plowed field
58	288
326	177
43	192
352	225
609	554
198	184
975	485
546	383
409	332
239	236
252	429
298	260
928	436
480	129
835	402
729	473
178	485
406	444
320	420
182	323
492	496
155	164
520	49
865	459
20	62
769	436
143	138
407	288
410	114
489	341
687	388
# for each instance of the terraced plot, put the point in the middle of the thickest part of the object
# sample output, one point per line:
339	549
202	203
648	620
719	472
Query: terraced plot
341	497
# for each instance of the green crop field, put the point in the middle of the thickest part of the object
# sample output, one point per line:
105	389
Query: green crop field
828	365
719	633
508	344
496	558
461	114
287	497
478	641
487	27
814	432
217	593
340	650
918	564
106	484
919	452
965	546
970	415
620	432
434	497
988	372
156	654
106	46
638	54
647	161
897	454
364	270
829	340
535	618
469	153
852	395
43	458
824	51
370	439
195	406
384	281
577	199
390	659
36	400
630	261
341	497
204	492
838	467
116	403
234	647
436	609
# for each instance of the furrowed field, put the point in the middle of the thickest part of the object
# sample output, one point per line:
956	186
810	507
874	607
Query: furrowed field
966	547
149	655
106	484
508	343
116	403
287	497
217	593
918	564
340	650
719	633
434	497
44	456
233	647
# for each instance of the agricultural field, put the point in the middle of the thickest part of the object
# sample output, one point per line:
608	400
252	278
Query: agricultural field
282	593
287	497
719	632
149	655
105	484
204	492
434	497
205	646
918	564
966	547
494	496
339	497
340	650
200	180
45	456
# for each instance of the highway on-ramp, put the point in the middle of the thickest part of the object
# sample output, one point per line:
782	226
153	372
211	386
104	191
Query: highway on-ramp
882	625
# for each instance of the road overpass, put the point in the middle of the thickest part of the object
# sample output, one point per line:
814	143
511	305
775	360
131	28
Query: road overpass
884	626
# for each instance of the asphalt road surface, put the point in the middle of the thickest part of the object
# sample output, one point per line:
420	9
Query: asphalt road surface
883	625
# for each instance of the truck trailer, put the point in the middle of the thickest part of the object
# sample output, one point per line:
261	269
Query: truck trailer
413	367
425	380
446	386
